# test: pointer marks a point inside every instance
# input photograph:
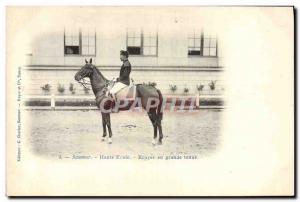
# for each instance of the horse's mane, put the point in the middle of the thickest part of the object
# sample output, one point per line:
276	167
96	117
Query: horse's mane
97	70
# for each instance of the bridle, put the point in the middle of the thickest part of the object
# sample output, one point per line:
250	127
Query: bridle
85	83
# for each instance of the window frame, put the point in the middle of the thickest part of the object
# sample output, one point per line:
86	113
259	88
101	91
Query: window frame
80	46
202	46
142	46
194	38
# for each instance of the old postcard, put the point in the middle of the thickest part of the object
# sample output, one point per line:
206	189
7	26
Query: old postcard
150	101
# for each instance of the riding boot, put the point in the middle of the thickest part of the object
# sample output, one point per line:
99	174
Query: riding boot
115	102
107	94
113	96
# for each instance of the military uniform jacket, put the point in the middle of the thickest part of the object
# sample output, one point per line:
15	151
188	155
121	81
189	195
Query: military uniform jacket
125	72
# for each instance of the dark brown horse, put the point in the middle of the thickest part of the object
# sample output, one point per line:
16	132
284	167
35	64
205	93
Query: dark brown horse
145	93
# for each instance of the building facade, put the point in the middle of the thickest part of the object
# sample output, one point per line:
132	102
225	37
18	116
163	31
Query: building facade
187	60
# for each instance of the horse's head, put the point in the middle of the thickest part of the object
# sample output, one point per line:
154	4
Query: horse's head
85	71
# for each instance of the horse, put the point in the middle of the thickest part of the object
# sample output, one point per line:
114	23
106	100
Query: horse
144	92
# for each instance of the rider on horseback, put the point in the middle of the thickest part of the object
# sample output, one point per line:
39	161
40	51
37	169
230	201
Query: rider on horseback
123	79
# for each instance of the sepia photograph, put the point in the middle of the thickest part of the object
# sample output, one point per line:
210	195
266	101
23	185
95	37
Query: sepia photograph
133	86
150	101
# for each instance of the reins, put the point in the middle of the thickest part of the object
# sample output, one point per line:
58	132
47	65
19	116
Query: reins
84	83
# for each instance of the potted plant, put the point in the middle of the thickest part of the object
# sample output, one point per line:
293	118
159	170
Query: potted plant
46	88
71	88
186	90
212	85
150	84
60	88
200	88
153	84
173	88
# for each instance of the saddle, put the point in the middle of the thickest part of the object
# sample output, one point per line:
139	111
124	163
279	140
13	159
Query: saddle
128	92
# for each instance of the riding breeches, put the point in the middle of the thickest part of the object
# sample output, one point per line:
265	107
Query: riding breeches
117	87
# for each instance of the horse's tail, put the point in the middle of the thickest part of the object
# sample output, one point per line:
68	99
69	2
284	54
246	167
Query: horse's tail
159	108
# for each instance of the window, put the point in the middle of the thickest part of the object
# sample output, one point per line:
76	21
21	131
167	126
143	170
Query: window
140	43
210	45
134	42
150	43
202	44
194	47
79	42
72	44
88	42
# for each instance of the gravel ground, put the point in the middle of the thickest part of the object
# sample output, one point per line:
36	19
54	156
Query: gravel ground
54	133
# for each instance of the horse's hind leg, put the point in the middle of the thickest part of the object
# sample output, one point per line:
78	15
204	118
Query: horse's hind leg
158	123
155	135
161	136
103	126
152	117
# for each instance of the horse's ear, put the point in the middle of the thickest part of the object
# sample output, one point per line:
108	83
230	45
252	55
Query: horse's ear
91	61
86	61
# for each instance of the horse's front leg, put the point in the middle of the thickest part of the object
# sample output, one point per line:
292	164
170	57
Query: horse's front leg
109	128
103	126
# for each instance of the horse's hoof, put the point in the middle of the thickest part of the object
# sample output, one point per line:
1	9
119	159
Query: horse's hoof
109	140
153	142
103	139
159	143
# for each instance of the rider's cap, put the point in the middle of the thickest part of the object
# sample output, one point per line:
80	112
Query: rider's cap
125	53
